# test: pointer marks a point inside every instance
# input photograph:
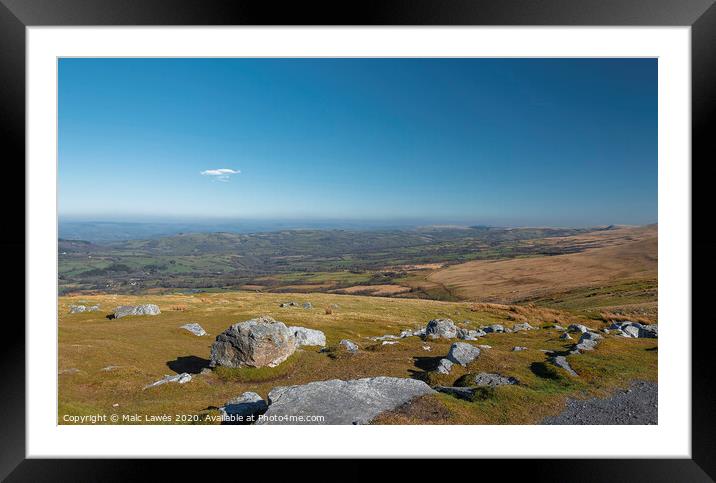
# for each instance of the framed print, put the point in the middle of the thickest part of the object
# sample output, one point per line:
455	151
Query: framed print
459	223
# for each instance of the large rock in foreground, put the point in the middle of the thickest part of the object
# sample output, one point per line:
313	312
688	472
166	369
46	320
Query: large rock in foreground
257	342
146	309
441	329
357	401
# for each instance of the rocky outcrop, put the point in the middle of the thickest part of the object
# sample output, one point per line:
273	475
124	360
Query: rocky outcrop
494	328
260	342
463	353
356	401
145	309
195	329
519	348
288	304
565	336
441	329
307	305
525	326
309	337
492	379
243	409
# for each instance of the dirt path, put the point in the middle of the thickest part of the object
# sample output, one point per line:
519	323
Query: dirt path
636	405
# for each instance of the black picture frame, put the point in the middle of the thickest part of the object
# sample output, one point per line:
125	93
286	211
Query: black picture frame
700	15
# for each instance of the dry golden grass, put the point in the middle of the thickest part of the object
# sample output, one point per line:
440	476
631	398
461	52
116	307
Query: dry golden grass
115	359
623	254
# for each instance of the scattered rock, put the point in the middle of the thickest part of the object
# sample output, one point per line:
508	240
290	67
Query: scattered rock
492	379
441	328
356	401
565	336
558	327
76	309
463	353
635	329
419	332
71	370
305	336
349	345
257	342
525	326
519	349
307	305
427	348
195	329
561	361
389	342
578	328
406	333
243	409
182	378
288	304
588	341
494	328
145	309
444	366
484	346
385	337
109	368
466	334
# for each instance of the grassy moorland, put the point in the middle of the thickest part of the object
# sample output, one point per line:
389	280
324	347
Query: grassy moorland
105	364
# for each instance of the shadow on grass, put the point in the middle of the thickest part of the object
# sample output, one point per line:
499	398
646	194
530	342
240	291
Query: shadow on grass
426	363
190	364
541	369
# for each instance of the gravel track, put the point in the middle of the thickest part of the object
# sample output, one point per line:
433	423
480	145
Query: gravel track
636	405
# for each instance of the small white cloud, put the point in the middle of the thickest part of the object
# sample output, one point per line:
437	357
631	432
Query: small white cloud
221	174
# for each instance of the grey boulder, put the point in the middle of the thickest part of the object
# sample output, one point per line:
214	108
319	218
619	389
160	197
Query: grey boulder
441	329
463	353
349	345
145	309
565	336
492	379
195	329
444	366
494	328
519	349
76	309
466	334
356	401
578	328
525	326
243	409
259	342
588	341
305	336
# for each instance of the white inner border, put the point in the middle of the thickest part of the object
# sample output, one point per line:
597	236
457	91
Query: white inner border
670	438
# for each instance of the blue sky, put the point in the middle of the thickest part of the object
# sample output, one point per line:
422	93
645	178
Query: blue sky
561	142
